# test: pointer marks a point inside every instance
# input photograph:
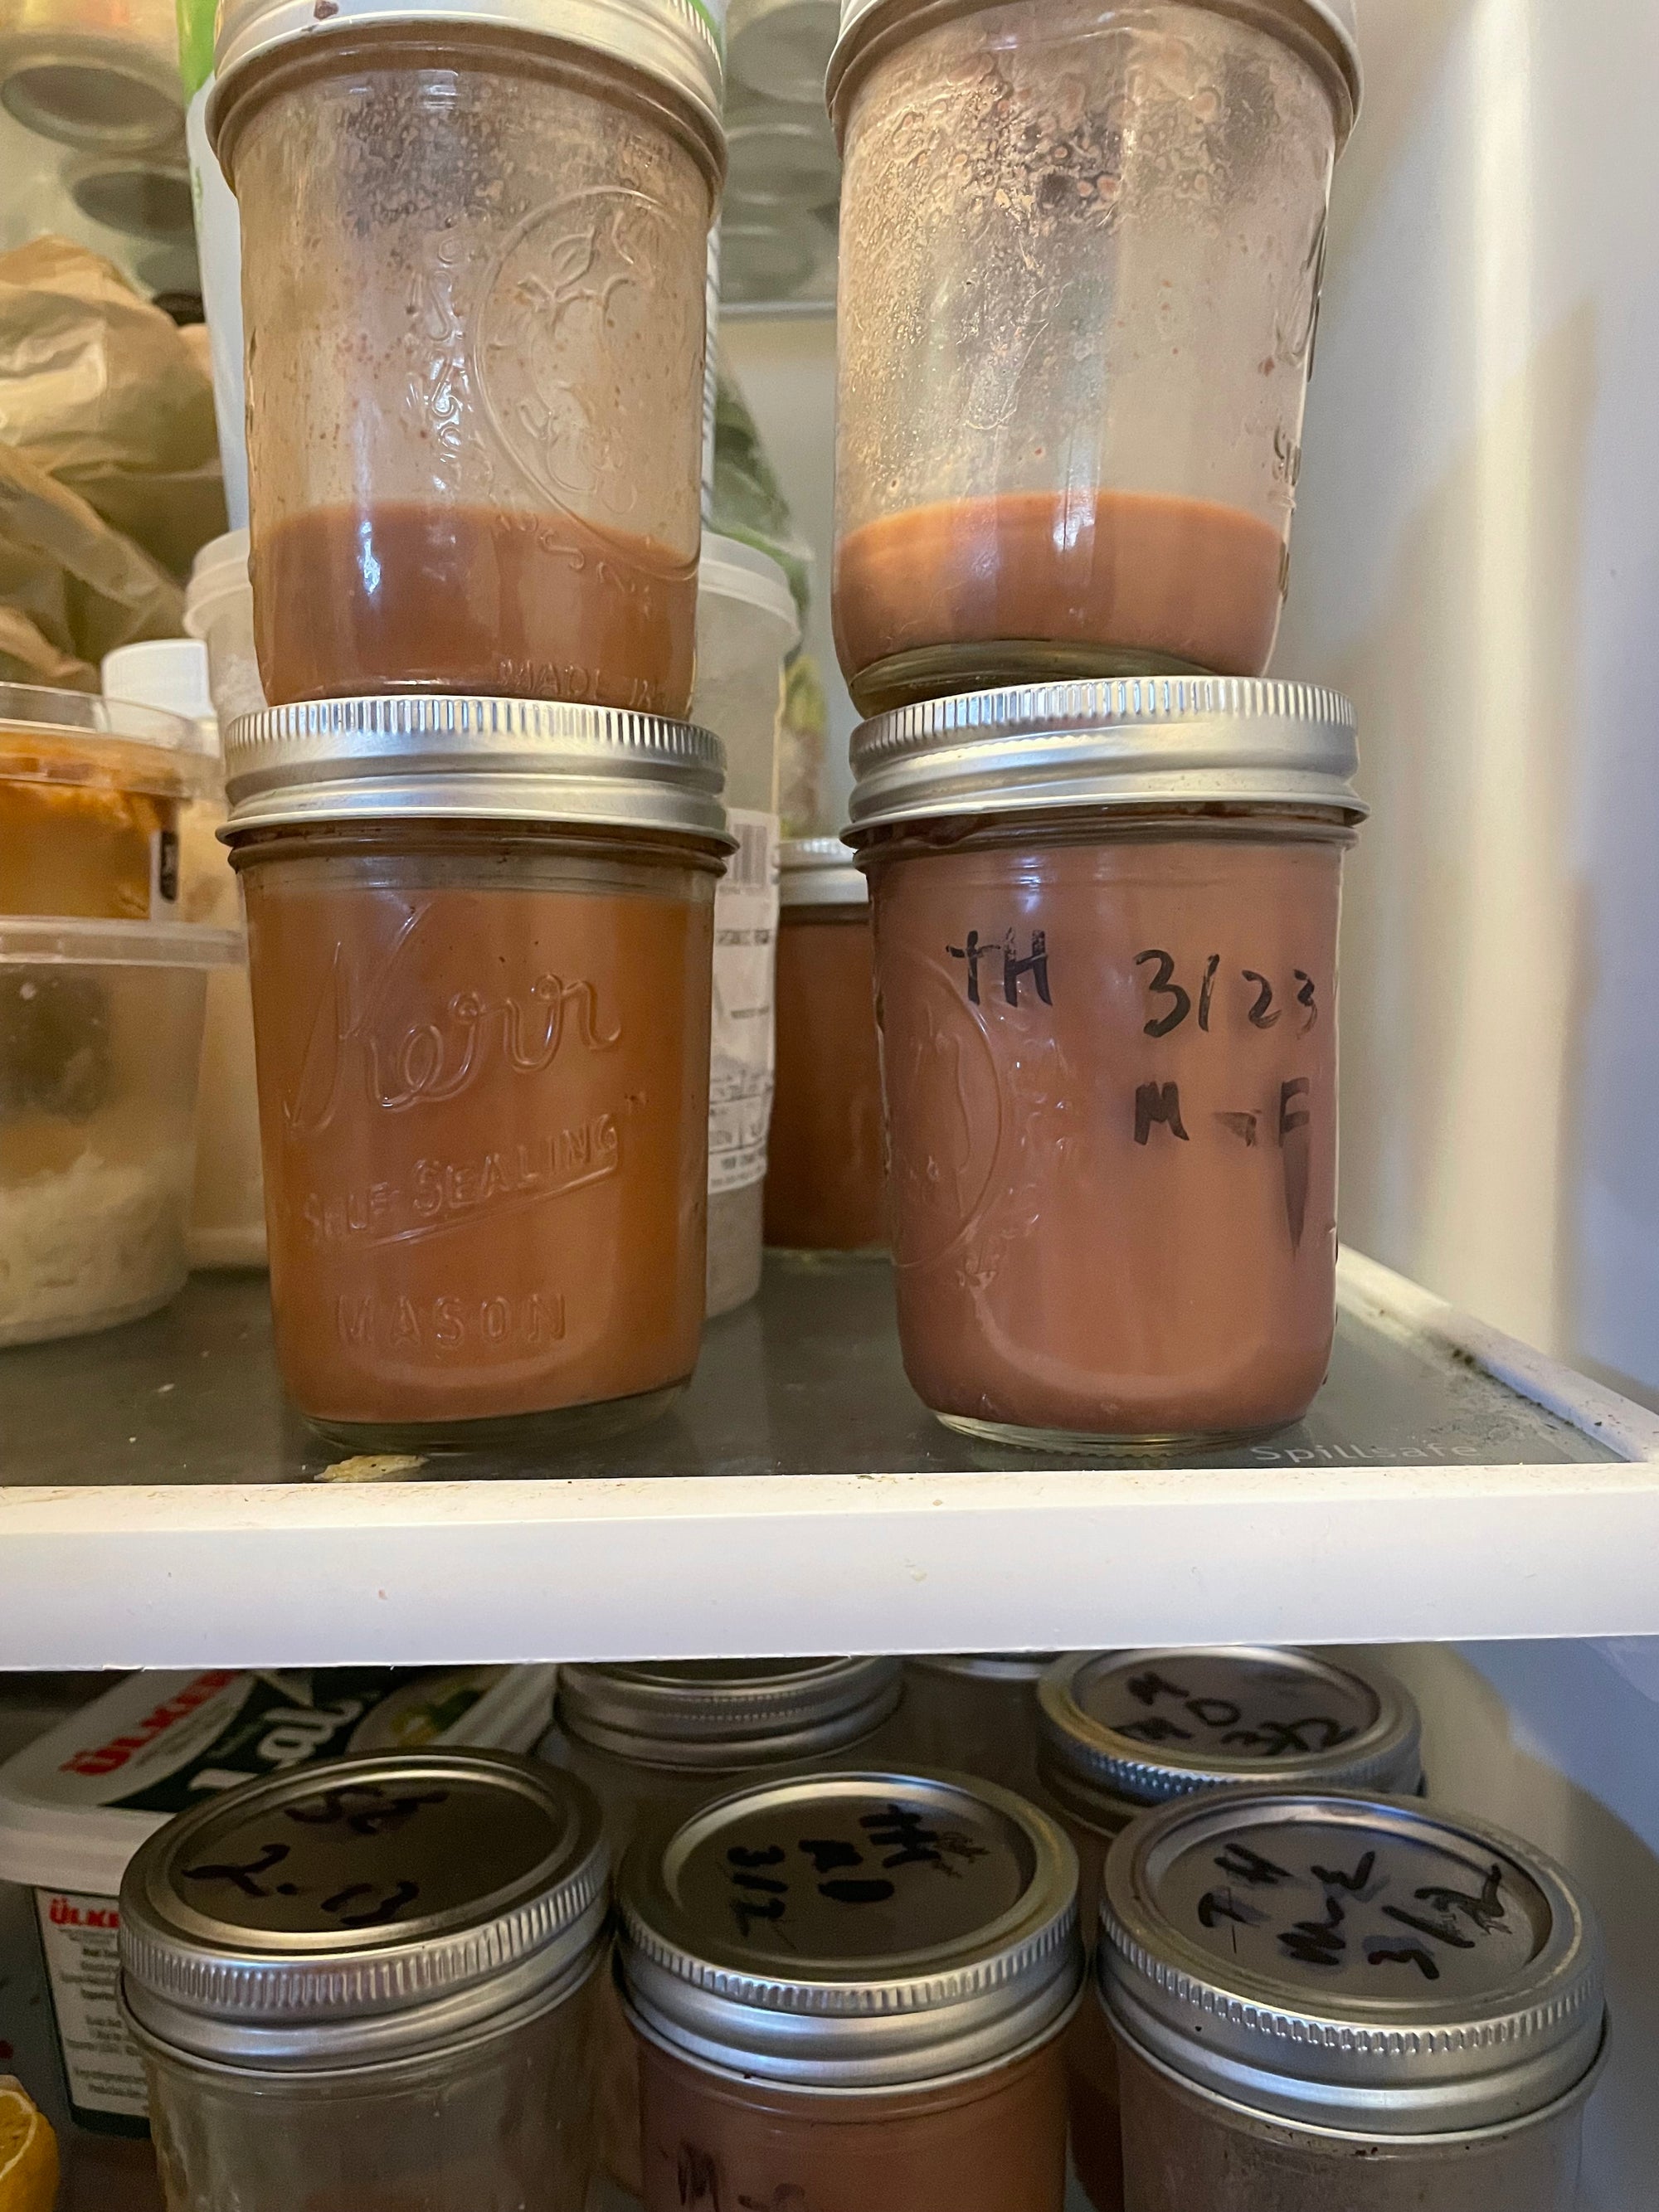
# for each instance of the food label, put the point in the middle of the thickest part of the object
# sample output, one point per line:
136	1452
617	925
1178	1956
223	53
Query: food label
79	1936
741	1038
164	875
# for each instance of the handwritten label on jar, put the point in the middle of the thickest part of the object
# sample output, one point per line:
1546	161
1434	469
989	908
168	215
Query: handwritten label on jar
742	1040
1248	1714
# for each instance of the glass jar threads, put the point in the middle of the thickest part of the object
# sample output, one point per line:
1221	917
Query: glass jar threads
370	1984
479	938
1322	1998
1105	926
849	1991
1080	260
474	270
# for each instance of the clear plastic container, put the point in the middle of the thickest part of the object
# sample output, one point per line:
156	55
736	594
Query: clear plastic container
1108	1056
473	294
100	1032
1080	260
219	609
484	1066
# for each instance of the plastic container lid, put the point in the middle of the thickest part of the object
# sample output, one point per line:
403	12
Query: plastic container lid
169	672
218	570
1145	1727
781	48
820	872
676	43
721	1713
1149	740
485	1878
76	1803
1326	29
76	737
777	161
437	756
1352	1963
857	1931
730	569
45	940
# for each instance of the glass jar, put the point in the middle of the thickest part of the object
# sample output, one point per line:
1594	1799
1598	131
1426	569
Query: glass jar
849	1991
649	1740
370	1984
1105	926
825	1176
1123	1731
1081	259
976	1711
1325	2000
473	292
484	1067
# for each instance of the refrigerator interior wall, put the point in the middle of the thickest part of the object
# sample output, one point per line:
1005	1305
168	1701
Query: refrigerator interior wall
1476	561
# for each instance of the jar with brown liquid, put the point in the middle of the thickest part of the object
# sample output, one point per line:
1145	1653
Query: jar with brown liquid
474	270
1106	927
480	1000
1081	259
825	1177
1121	1731
652	1739
849	1992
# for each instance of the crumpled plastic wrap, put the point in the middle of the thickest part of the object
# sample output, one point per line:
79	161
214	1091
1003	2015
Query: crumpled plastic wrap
109	465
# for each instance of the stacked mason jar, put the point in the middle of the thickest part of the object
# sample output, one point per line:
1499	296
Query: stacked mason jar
1081	252
477	836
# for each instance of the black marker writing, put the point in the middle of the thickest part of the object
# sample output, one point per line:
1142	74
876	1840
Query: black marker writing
1035	964
1260	1017
1304	997
1181	1003
1206	988
1159	1101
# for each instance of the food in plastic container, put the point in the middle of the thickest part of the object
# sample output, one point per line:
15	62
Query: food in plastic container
100	1033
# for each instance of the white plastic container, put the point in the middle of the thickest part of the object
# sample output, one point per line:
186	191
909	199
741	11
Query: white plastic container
227	1210
100	1040
747	625
78	1803
219	609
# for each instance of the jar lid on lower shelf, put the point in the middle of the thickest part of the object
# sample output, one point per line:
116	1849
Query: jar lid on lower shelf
719	1714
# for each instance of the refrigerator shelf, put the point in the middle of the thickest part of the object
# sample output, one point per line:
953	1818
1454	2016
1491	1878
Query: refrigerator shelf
159	1505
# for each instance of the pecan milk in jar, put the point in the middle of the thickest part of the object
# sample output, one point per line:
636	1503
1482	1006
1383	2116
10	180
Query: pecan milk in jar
1106	924
479	937
850	1991
475	251
1081	259
1326	2000
825	1178
369	1984
1124	1730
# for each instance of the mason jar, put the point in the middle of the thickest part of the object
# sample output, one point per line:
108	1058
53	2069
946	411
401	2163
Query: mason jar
1081	249
473	271
653	1740
1321	1998
479	939
369	1982
849	1991
976	1711
1106	931
1121	1731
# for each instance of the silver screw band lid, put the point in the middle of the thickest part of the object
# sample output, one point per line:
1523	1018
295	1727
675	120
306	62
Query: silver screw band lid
675	43
853	1931
1009	1666
1361	1964
440	756
1131	741
1326	31
718	1714
820	872
363	1910
1142	1727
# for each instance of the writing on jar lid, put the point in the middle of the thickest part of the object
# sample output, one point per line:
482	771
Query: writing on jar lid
1218	1704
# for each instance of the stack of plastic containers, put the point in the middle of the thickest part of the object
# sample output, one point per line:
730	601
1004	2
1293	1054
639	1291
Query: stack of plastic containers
1081	252
477	838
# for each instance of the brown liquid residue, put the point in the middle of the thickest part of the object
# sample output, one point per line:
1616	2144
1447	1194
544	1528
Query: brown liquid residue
1185	581
826	1183
481	1114
1110	1075
403	595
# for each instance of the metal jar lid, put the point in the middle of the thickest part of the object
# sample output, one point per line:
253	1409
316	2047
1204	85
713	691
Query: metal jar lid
436	756
1326	31
675	43
365	1909
1009	1667
853	1931
820	872
1138	1727
718	1714
1351	1963
1132	741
